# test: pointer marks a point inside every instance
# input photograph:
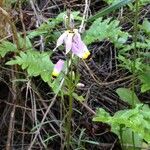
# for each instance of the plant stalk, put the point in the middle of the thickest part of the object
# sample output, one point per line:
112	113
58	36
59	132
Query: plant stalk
121	140
135	35
70	87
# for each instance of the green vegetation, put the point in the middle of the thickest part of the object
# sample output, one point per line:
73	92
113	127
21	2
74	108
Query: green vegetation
130	53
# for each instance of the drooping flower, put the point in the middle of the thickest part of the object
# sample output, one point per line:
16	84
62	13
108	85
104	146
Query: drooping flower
78	46
73	42
58	68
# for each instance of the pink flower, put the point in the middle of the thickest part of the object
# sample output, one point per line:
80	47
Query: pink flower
58	68
73	42
78	46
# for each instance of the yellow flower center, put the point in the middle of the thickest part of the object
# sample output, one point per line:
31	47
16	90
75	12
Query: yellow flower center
86	55
70	31
55	73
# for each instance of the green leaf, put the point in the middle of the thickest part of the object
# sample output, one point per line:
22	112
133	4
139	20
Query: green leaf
35	62
109	9
127	96
145	54
48	27
145	80
24	43
77	97
37	32
38	64
140	45
106	29
140	4
127	136
112	1
6	46
146	26
137	119
55	84
75	14
136	64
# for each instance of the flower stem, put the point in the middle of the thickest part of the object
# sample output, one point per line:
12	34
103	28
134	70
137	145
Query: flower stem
135	35
70	88
68	137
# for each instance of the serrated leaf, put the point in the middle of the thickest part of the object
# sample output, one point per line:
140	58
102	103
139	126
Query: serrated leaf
134	119
37	32
35	62
127	96
6	46
11	62
24	43
139	45
129	64
106	29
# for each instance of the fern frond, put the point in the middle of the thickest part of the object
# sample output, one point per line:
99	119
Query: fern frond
140	45
35	63
38	64
106	29
6	47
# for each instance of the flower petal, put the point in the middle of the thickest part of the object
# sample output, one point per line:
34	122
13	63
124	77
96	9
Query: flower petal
57	68
75	50
68	42
86	52
78	47
61	39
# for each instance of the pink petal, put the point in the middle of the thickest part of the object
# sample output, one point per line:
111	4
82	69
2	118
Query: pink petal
79	48
61	39
76	50
58	68
68	42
